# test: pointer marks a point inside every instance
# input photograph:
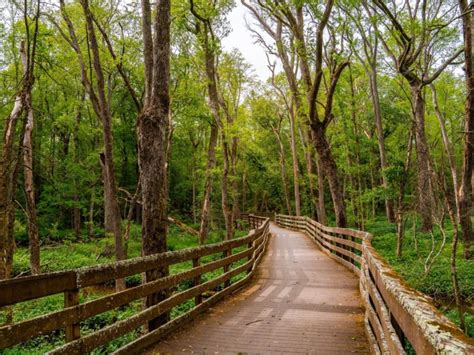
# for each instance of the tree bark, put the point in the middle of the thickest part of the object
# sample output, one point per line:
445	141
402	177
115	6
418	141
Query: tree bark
329	168
33	236
227	208
465	189
284	173
294	158
153	126
425	190
7	183
321	204
211	163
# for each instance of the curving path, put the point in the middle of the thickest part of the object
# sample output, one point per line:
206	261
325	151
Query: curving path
301	301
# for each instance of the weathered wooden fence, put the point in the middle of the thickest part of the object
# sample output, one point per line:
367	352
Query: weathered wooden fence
235	257
395	313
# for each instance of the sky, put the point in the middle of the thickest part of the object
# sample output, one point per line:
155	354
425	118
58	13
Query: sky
241	38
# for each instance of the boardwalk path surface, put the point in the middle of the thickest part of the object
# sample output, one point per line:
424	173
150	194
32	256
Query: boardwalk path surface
301	301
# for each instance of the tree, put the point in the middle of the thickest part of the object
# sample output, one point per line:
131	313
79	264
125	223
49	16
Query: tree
465	189
369	57
153	125
286	19
411	50
96	91
205	32
10	159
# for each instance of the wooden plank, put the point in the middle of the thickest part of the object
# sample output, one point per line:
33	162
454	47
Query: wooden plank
138	345
346	242
100	274
376	327
30	287
103	336
342	251
20	332
391	337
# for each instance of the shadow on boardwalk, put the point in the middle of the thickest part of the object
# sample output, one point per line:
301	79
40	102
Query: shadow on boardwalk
300	301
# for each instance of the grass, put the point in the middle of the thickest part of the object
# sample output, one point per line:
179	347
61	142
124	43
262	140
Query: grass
437	282
75	254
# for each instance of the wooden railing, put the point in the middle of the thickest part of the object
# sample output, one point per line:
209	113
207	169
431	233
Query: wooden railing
394	312
249	251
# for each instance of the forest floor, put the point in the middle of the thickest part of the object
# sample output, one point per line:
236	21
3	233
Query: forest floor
411	266
74	254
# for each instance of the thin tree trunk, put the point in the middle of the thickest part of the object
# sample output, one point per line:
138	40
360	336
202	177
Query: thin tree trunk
110	186
91	214
211	163
210	64
401	193
465	189
294	158
380	140
447	147
235	181
284	174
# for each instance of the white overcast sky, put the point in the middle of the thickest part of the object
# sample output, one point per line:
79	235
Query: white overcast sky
241	38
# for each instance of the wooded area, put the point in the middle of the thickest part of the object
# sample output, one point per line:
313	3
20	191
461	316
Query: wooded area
123	118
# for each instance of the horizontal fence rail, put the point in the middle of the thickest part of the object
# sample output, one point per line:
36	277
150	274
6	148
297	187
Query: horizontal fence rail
395	313
236	257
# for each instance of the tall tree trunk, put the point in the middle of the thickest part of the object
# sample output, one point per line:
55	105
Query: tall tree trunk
235	181
294	158
76	211
284	174
210	64
425	191
211	163
153	126
227	208
465	189
448	149
33	236
7	183
310	170
329	167
374	91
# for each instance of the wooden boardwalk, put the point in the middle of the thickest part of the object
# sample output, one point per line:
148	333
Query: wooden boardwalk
301	301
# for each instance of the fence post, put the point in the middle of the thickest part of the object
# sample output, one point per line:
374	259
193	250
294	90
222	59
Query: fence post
226	253
197	281
73	331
